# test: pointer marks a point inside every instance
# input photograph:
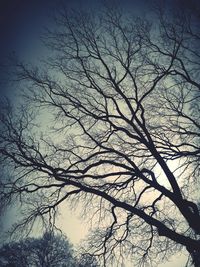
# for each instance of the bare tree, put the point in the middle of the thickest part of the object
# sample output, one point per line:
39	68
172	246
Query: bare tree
120	130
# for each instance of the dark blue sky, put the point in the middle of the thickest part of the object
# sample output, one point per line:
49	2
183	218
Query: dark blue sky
20	26
22	21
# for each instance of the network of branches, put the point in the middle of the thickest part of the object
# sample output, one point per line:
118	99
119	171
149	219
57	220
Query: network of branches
110	120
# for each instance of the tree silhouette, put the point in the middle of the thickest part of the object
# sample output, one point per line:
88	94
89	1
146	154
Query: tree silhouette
119	132
52	250
49	250
15	254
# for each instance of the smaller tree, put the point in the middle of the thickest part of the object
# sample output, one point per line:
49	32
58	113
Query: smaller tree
52	251
16	254
48	251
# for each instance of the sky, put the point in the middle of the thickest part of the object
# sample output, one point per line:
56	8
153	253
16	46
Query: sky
21	24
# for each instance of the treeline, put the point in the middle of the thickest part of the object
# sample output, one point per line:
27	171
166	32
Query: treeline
50	250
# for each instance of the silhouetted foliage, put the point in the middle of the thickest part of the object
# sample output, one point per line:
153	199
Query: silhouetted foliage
15	254
117	102
49	250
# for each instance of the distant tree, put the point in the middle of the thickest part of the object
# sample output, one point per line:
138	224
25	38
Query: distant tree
48	251
52	251
121	98
15	254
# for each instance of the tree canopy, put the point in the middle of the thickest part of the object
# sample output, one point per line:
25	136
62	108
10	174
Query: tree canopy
110	119
50	250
